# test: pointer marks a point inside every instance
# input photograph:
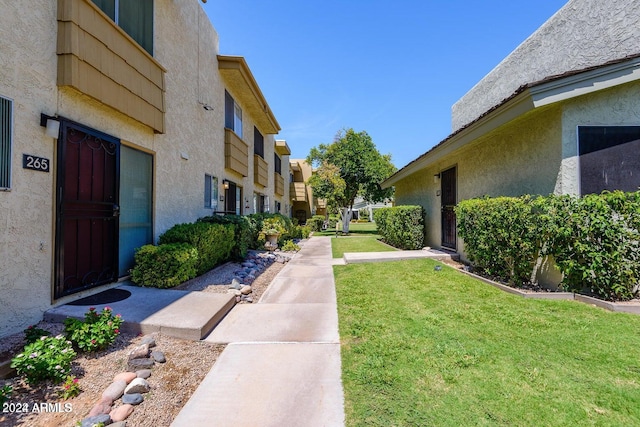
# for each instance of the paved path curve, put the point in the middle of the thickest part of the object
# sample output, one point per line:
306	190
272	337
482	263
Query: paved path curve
282	365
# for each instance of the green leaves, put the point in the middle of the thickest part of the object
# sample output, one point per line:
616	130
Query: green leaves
595	240
46	358
96	332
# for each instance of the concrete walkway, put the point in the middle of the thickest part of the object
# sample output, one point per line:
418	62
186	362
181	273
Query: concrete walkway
282	365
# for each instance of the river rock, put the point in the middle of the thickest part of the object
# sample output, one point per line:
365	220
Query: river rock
91	421
132	398
125	376
102	407
137	364
121	412
115	390
246	290
158	356
143	373
235	284
138	385
139	352
234	292
148	339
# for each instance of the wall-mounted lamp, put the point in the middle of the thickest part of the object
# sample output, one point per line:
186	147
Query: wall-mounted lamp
52	125
436	178
225	184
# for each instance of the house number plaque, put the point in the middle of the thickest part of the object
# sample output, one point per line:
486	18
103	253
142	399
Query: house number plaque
35	163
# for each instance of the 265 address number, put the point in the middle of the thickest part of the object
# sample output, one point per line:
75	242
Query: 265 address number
35	163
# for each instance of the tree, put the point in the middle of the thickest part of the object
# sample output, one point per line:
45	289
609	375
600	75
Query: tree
350	166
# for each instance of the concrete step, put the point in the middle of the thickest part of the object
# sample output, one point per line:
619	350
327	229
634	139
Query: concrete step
361	257
181	314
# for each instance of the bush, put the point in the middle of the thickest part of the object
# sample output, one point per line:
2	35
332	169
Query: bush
32	334
500	236
315	223
401	226
245	232
290	246
5	393
213	242
46	358
267	220
164	266
595	240
96	332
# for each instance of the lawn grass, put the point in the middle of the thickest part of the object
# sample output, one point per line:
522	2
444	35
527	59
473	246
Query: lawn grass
362	237
437	348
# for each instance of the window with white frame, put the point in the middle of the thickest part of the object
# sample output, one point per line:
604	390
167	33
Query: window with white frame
6	136
232	114
210	192
134	17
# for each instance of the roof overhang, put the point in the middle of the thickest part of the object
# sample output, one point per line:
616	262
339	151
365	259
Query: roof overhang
237	75
527	98
294	165
282	148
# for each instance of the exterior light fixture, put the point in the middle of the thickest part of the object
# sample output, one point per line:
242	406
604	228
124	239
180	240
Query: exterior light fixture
225	184
51	124
436	178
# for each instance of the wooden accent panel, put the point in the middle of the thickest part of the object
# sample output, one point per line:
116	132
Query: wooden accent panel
298	191
279	184
260	171
236	153
100	60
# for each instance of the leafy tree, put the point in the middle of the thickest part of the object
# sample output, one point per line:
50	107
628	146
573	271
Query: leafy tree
351	166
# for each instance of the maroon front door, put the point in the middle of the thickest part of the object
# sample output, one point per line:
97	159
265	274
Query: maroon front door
448	200
87	209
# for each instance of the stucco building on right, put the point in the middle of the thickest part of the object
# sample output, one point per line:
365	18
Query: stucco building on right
560	114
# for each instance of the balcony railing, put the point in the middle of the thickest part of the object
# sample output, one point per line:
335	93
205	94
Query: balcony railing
279	184
236	153
298	192
260	171
99	59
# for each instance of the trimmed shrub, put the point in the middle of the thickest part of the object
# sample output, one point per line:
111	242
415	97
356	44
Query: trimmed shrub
315	222
401	226
164	266
212	241
595	240
244	232
276	220
500	236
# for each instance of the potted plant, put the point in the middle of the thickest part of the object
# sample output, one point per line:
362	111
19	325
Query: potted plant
272	228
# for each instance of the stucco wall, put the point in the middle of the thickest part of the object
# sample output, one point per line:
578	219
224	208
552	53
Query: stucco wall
583	33
26	212
523	157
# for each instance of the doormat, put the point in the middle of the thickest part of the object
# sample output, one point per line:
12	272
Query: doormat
105	297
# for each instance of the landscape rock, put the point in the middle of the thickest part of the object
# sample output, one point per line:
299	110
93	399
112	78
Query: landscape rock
247	298
119	424
149	339
91	421
235	284
158	356
115	390
121	412
246	290
139	385
125	376
143	373
132	398
102	407
137	364
139	352
234	292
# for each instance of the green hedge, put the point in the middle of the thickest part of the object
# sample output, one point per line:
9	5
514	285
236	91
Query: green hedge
315	222
213	242
245	232
164	266
595	240
401	226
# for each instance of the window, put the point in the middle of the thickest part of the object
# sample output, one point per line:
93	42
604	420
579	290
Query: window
6	134
609	158
210	192
260	203
258	142
277	163
232	114
134	17
278	207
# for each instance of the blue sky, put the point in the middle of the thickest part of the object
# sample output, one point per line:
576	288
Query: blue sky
393	69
